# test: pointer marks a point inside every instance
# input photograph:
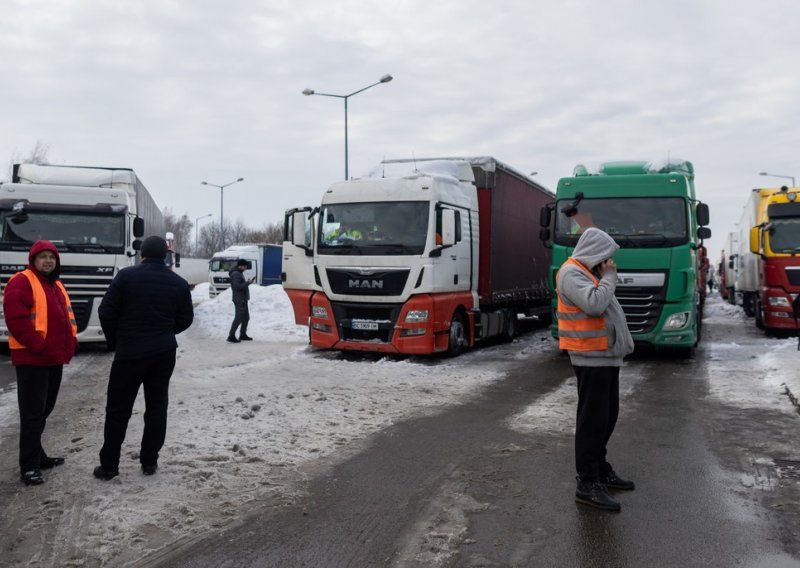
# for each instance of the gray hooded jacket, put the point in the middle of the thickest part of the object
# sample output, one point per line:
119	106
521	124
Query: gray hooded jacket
576	289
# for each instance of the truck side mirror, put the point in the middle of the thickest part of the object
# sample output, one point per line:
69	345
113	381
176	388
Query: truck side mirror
299	228
177	260
448	227
703	217
138	227
703	233
755	240
544	217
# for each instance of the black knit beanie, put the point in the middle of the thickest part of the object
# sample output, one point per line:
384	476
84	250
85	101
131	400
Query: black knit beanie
154	247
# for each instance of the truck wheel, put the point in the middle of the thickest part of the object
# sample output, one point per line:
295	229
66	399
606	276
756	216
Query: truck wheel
759	312
510	325
459	340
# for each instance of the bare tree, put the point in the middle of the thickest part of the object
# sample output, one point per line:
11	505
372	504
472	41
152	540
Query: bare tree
181	228
38	155
209	241
271	233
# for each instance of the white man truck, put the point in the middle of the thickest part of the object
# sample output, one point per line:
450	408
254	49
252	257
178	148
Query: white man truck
418	257
263	264
95	216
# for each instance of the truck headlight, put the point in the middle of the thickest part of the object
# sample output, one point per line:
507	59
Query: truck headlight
778	301
416	316
677	321
319	312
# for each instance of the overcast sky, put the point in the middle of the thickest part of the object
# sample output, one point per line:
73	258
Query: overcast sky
185	91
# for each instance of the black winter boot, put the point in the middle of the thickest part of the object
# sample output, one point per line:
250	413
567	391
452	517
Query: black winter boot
593	493
232	339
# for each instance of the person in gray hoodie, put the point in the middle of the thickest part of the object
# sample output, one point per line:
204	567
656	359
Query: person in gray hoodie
593	330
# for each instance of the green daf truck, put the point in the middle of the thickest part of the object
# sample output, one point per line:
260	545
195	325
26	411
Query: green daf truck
651	211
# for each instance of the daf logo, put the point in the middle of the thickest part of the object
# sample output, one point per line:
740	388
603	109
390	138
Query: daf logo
627	280
12	267
372	284
105	269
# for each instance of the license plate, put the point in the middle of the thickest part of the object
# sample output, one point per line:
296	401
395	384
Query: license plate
364	325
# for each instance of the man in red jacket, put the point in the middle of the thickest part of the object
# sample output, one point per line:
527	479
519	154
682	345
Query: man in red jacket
43	338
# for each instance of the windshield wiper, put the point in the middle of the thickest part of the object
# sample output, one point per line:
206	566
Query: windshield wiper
90	247
344	248
395	248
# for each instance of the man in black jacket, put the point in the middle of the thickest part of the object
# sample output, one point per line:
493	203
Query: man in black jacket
142	311
240	293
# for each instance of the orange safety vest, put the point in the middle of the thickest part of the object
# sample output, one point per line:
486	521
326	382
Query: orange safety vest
578	331
39	317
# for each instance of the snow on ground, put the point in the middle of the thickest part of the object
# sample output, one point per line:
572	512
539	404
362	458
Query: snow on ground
250	421
246	423
761	381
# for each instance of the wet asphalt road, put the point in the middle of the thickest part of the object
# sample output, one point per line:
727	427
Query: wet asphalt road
462	489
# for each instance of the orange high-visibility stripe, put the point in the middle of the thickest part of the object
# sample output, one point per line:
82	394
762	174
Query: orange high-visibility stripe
39	317
578	331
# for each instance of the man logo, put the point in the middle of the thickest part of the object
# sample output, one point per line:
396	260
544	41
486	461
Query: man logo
372	284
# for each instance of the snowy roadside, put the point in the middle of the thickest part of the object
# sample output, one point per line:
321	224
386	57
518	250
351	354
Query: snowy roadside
770	380
247	421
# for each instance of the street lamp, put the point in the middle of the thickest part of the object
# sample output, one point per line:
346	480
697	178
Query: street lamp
197	233
779	176
309	92
221	218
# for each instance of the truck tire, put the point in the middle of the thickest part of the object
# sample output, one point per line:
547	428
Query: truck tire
510	325
459	335
759	313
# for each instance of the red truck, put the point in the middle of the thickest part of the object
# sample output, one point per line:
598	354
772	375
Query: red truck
424	256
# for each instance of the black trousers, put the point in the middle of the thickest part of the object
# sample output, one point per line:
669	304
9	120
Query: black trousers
154	372
240	317
37	391
598	409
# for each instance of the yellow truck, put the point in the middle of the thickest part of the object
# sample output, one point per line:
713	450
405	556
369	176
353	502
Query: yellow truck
768	275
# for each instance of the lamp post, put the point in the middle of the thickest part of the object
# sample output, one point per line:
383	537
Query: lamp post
778	176
197	233
221	201
309	92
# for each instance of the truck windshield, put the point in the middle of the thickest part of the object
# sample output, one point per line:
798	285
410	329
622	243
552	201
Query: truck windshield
73	232
784	234
641	222
222	264
385	228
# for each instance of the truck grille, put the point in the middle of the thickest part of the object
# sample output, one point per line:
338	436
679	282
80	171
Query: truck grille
642	307
376	283
84	284
793	275
380	316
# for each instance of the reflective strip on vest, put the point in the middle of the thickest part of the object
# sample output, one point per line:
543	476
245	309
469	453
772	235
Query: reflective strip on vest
578	331
39	317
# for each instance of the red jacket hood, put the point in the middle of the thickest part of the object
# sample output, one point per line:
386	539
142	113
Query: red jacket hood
38	247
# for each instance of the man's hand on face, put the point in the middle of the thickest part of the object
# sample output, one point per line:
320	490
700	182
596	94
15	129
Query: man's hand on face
608	266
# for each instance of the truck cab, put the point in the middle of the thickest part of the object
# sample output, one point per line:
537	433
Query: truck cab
650	210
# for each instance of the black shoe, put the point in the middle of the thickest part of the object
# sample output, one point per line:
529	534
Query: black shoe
593	493
32	477
612	481
149	469
50	463
245	337
232	339
105	474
